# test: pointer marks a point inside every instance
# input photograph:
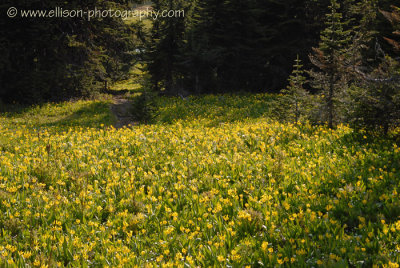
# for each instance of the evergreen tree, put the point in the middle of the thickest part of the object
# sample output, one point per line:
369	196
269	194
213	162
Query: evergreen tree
362	16
292	28
167	42
376	101
205	48
222	52
328	57
58	58
296	99
236	45
376	98
242	61
394	18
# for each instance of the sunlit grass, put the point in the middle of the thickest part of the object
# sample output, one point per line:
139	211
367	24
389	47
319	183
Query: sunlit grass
146	21
212	110
134	83
61	115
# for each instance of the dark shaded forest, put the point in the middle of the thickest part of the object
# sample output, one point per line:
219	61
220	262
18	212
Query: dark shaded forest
345	51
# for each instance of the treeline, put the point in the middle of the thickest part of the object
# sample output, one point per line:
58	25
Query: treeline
346	51
58	58
234	45
357	77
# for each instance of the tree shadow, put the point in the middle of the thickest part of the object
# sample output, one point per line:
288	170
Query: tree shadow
93	115
63	115
121	92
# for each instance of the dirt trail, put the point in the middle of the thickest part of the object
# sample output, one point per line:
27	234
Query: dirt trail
121	108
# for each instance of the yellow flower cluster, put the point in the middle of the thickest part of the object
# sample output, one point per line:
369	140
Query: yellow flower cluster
189	193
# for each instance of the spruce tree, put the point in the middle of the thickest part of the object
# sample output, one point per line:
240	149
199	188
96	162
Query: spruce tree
167	42
376	98
328	57
237	45
295	97
59	58
205	49
394	18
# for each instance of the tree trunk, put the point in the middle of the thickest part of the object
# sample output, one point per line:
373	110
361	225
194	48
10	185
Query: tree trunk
197	83
330	101
169	87
386	128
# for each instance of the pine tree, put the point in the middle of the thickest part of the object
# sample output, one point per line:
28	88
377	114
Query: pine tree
296	98
235	45
376	98
362	16
204	49
328	57
167	42
223	51
394	18
55	59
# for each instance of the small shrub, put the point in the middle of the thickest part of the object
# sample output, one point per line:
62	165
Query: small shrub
293	105
144	107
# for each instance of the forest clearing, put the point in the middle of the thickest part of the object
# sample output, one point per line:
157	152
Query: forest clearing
200	133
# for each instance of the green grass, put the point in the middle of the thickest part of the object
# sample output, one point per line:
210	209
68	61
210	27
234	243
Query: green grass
133	83
146	22
61	115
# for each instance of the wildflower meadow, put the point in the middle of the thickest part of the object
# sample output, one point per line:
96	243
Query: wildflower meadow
218	186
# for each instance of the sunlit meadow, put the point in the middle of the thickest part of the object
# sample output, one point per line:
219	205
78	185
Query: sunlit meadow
214	182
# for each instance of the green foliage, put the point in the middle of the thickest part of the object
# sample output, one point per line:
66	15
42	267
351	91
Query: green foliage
59	58
358	83
167	40
144	107
335	37
361	52
295	102
377	107
135	81
61	115
375	102
328	58
231	46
